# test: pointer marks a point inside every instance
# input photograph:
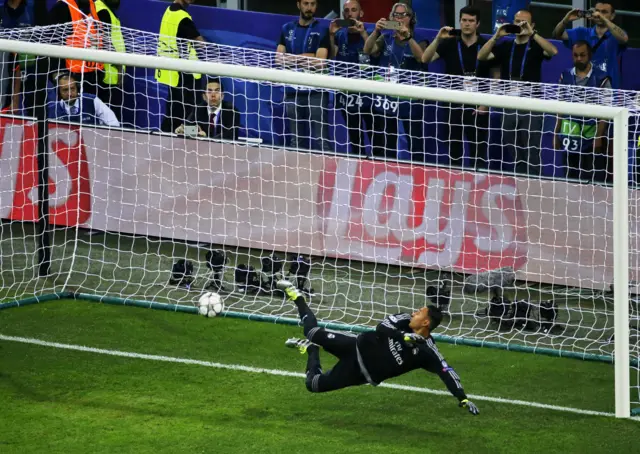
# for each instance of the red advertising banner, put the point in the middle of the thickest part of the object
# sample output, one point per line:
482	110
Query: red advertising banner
69	185
396	213
422	216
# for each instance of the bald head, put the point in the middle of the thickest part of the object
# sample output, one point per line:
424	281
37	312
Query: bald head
352	10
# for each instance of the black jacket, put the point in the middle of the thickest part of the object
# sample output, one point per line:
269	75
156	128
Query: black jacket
227	125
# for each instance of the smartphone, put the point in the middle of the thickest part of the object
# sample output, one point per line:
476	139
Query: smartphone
392	25
455	32
344	23
191	130
512	29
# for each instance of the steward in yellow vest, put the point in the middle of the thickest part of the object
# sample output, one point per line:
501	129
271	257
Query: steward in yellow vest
176	28
113	39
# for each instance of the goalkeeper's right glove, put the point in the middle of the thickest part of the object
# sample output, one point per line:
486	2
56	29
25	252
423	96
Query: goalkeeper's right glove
413	338
466	403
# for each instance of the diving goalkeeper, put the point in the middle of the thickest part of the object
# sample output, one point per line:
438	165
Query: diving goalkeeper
401	343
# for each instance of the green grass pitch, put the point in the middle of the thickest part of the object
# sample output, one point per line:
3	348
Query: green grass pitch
57	400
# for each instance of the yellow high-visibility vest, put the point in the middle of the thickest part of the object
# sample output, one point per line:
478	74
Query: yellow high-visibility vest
117	41
168	45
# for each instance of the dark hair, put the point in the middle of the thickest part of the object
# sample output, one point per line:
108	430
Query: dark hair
435	317
213	80
65	75
471	11
582	42
610	3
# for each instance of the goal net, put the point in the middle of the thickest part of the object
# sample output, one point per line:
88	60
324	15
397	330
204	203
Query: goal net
376	190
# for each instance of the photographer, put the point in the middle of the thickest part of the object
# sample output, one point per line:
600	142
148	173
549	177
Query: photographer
394	43
520	60
347	45
606	39
459	50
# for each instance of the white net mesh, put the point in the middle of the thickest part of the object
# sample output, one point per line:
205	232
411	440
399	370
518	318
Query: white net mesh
524	260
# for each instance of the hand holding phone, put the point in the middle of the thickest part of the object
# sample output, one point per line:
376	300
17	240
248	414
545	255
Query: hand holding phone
511	29
587	14
392	25
345	23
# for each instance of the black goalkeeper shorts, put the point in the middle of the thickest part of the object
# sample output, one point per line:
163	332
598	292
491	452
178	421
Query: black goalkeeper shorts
346	372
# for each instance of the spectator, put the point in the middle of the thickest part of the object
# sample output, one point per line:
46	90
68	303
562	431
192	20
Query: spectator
520	59
606	39
347	45
214	117
583	139
81	34
176	27
111	87
398	49
80	107
300	40
16	14
460	55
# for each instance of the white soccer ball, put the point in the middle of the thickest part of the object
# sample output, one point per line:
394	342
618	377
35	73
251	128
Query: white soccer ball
210	304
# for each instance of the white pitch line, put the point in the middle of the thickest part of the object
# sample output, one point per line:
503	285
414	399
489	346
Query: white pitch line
259	370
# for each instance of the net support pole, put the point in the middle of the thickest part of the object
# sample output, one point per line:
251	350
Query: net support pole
43	226
621	263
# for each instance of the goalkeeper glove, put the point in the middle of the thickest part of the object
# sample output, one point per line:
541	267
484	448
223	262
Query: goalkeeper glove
413	338
466	403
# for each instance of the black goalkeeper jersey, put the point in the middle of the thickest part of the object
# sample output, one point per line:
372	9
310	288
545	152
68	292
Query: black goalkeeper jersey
383	354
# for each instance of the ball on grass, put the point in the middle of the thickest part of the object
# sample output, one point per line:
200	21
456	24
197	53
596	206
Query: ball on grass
210	304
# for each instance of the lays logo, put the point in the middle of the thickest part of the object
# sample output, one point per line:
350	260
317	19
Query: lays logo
421	216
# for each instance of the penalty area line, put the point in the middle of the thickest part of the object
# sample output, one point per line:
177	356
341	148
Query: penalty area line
284	373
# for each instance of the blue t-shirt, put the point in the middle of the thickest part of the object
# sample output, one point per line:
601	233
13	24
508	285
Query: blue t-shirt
350	47
397	55
307	39
20	17
607	55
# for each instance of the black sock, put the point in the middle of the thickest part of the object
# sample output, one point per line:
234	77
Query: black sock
313	360
307	316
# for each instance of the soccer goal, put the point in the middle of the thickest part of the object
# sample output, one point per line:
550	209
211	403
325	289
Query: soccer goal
337	176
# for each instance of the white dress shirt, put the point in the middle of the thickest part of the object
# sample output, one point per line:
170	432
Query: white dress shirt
103	112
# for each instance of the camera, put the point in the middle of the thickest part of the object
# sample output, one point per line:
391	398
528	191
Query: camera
272	269
585	14
392	25
512	29
440	296
300	268
345	23
246	278
182	274
216	260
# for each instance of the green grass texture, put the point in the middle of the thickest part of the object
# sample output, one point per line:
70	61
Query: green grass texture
56	400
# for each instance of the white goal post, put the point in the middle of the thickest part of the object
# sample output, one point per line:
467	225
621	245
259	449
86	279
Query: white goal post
618	115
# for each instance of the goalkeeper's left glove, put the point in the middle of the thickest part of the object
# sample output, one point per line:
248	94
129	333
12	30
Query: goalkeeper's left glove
466	403
413	338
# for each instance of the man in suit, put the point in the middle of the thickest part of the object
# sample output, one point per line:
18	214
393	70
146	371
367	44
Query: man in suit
214	117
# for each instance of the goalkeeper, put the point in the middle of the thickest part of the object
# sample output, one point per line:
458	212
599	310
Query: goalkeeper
400	344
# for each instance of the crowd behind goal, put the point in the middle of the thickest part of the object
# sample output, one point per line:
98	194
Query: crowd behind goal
381	127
